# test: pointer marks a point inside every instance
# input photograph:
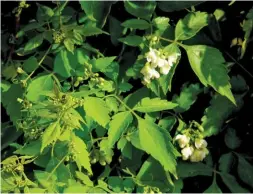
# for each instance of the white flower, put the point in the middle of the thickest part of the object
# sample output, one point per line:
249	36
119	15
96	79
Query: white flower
200	143
165	69
199	154
152	55
182	140
160	62
187	152
149	73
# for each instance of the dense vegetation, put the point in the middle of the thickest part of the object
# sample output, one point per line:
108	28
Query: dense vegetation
128	96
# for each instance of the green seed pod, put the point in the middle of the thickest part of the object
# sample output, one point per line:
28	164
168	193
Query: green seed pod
79	78
93	160
108	159
76	84
102	161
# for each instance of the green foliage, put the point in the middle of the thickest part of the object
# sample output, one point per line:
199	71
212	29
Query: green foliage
97	97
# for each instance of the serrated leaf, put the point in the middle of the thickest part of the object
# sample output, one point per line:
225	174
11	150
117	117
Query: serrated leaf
232	184
153	105
119	124
245	171
97	110
30	64
217	113
193	169
34	43
101	64
39	85
84	178
209	65
187	97
89	30
157	142
136	24
50	135
143	9
31	149
131	40
82	155
225	162
170	6
190	25
231	139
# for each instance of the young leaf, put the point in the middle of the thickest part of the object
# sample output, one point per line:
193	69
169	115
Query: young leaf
232	184
119	124
217	113
157	142
96	109
140	9
190	25
136	24
193	169
231	140
187	97
131	40
101	64
245	171
50	135
34	42
161	23
209	65
45	83
82	155
153	105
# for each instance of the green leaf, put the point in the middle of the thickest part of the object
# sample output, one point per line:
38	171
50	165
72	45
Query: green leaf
245	171
131	40
153	105
225	162
186	169
239	84
50	135
82	155
89	30
31	149
112	103
217	113
115	183
167	123
129	185
101	64
119	124
39	85
190	25
152	174
140	9
214	188
96	10
115	29
231	139
84	178
187	97
125	87
170	6
157	142
125	147
28	27
112	71
136	24
96	109
34	42
232	184
69	44
209	65
30	64
44	13
45	180
161	22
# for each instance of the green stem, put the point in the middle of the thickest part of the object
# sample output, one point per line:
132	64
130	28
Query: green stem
172	41
131	110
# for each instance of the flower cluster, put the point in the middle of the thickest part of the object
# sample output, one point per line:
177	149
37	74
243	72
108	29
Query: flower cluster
156	59
196	151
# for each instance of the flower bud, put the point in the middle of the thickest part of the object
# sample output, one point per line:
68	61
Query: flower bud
182	140
198	155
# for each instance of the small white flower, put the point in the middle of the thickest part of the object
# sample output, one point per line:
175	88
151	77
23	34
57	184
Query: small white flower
160	62
182	140
199	154
165	69
172	59
200	143
187	152
152	55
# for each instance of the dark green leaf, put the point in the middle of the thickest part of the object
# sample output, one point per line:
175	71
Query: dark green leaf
170	6
131	40
34	42
30	64
136	24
